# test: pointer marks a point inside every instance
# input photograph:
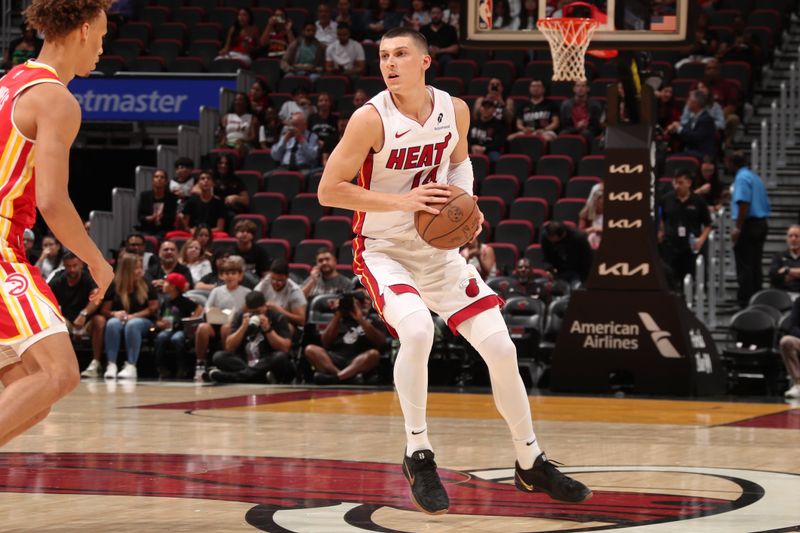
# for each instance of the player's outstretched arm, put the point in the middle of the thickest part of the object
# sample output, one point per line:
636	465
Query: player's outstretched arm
56	117
364	132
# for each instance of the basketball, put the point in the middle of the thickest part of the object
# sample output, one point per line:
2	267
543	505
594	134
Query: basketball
455	224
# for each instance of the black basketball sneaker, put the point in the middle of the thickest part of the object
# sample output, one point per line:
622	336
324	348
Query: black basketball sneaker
427	491
546	478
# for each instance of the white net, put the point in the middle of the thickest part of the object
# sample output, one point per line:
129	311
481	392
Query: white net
569	38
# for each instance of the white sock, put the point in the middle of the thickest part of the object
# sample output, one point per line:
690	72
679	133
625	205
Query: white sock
411	376
510	396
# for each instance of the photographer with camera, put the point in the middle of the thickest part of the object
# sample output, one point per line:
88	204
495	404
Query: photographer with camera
257	349
351	342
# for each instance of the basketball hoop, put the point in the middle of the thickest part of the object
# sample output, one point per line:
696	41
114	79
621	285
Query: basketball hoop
569	38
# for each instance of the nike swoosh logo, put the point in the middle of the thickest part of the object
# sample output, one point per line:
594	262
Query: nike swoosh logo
419	432
530	443
398	135
528	487
408	474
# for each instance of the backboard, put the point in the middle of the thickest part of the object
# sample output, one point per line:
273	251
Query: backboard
625	24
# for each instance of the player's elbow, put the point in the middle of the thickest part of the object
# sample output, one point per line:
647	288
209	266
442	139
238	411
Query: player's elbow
325	194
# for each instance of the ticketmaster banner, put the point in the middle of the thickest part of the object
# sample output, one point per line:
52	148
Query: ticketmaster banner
147	99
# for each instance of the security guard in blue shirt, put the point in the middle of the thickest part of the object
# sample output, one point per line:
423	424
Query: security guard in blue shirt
749	210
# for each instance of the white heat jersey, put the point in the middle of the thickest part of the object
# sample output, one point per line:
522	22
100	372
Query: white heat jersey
412	155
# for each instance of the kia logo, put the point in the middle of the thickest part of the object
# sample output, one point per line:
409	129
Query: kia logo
623	269
625	196
626	169
624	223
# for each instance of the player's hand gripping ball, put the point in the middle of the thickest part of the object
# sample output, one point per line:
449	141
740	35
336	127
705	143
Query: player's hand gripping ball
455	224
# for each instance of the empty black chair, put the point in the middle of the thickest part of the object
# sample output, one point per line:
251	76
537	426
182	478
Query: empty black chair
520	233
774	298
546	187
493	209
560	166
288	182
580	186
270	204
259	160
752	353
308	204
524	316
293	228
534	210
306	250
506	255
517	164
337	229
592	165
505	186
532	146
506	286
568	209
275	248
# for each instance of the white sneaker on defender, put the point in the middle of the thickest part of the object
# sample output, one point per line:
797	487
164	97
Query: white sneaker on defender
794	392
127	372
92	371
111	371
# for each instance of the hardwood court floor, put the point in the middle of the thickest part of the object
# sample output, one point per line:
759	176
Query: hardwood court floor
176	457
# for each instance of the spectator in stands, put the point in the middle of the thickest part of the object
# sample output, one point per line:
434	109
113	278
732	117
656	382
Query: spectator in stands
742	49
259	99
270	130
784	272
351	343
25	47
242	39
345	15
300	103
256	351
698	135
528	15
381	18
298	148
220	306
157	207
29	242
669	111
323	125
590	219
167	264
305	56
749	210
214	278
481	256
170	327
204	208
790	351
707	185
525	276
324	278
487	134
130	306
239	126
73	287
452	14
503	109
182	182
684	226
228	187
727	95
538	116
325	26
345	56
714	109
360	97
51	258
419	16
192	258
442	38
501	16
277	35
256	260
202	234
283	295
134	244
581	115
567	252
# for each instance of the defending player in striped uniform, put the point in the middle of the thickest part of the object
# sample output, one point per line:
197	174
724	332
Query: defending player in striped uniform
408	141
39	119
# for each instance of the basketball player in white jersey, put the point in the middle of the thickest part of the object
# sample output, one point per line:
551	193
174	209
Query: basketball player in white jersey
407	143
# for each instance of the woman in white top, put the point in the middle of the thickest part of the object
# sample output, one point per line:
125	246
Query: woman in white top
590	219
192	256
239	126
52	254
